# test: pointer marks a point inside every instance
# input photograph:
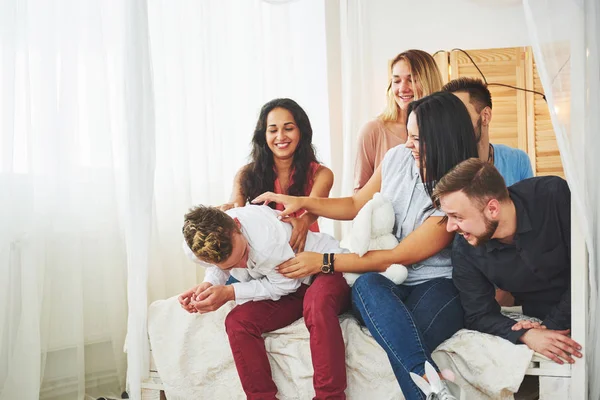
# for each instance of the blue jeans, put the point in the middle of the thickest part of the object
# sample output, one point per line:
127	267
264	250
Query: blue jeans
409	322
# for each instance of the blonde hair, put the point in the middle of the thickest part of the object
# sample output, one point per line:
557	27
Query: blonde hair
423	70
208	232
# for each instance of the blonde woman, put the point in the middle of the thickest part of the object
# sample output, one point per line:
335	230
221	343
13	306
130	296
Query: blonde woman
414	75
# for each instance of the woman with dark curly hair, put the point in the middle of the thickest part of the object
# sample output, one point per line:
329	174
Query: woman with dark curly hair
283	161
411	319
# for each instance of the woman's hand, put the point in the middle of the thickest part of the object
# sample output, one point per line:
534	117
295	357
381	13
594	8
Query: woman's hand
228	206
299	231
304	264
290	203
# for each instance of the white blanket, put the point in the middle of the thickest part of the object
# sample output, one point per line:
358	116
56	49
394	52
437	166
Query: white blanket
192	354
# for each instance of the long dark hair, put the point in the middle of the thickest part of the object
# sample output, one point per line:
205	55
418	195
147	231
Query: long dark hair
446	135
259	175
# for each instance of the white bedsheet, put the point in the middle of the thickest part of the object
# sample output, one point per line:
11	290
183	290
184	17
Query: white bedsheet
193	357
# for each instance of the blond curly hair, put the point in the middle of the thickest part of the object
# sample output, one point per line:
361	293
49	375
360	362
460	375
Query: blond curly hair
208	232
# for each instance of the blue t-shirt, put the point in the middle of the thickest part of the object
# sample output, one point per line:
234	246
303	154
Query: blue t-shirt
513	164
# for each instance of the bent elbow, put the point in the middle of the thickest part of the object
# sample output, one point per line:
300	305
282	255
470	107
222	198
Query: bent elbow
279	291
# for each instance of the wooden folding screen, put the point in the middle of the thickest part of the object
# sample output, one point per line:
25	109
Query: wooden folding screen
520	119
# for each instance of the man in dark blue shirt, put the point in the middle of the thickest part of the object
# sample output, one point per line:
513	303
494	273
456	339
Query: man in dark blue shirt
518	239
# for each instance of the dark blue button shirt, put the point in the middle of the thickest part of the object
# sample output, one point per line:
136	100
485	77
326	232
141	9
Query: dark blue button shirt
536	268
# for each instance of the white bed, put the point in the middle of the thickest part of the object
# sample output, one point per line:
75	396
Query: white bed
192	353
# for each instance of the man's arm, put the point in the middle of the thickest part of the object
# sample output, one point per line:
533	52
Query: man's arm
559	317
271	287
268	238
215	276
477	294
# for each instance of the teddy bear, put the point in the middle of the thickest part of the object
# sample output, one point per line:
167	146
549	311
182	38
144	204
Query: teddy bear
372	229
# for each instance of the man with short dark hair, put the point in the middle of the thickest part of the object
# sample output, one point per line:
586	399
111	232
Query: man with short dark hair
518	239
514	164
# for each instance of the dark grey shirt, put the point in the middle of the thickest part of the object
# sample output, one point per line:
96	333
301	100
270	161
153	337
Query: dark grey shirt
536	268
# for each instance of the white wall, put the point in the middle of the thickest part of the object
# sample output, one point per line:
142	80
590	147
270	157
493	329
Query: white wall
393	26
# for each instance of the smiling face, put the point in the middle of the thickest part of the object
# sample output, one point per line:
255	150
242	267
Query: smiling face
239	253
402	85
475	225
412	141
282	133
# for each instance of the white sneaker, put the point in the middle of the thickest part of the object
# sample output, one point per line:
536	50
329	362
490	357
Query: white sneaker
435	389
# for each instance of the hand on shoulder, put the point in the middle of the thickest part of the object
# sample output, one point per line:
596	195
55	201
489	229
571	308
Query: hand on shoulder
228	206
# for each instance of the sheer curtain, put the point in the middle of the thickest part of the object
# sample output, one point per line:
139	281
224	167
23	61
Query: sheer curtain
356	90
214	64
568	61
64	169
115	118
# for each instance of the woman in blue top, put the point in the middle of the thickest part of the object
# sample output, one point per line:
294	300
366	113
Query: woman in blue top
409	320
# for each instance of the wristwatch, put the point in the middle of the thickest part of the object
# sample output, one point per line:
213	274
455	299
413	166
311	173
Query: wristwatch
327	267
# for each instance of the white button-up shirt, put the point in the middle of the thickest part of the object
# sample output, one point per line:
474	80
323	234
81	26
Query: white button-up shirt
268	239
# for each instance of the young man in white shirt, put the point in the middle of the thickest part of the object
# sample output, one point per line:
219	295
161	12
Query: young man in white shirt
249	243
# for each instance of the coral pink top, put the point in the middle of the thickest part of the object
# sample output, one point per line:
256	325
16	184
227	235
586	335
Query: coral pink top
309	185
375	139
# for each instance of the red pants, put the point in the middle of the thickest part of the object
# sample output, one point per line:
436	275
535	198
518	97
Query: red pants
319	304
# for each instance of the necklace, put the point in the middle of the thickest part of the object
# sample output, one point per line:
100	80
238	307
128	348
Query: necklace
491	154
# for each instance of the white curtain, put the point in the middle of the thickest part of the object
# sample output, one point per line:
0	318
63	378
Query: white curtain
565	38
356	92
115	118
65	117
214	64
